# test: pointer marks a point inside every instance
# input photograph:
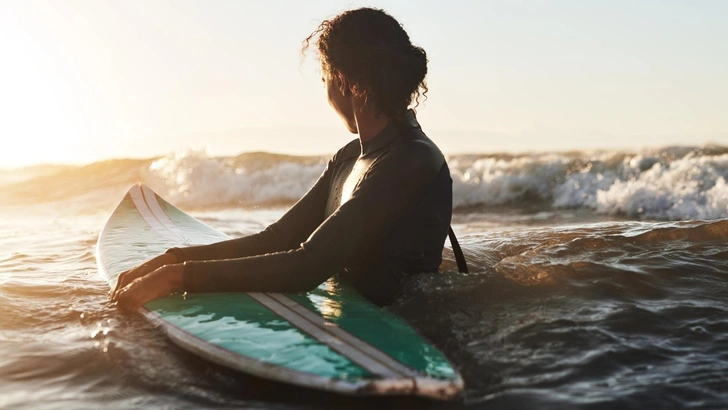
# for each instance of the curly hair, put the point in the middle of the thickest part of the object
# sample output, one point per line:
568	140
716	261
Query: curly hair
370	56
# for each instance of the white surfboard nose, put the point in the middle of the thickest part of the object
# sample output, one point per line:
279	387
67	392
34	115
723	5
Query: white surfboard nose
135	187
147	204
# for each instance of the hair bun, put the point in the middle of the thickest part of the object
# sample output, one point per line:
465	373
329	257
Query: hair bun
371	54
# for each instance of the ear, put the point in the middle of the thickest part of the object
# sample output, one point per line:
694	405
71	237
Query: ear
360	101
346	89
353	89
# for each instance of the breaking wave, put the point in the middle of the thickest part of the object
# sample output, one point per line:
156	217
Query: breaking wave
673	183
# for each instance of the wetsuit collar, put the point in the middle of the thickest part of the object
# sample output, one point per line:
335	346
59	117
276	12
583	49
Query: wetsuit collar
390	132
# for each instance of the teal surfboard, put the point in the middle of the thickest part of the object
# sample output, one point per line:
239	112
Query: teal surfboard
330	339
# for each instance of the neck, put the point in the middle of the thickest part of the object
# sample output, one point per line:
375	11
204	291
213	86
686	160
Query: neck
368	123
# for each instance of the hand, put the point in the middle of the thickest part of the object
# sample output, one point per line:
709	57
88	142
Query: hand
144	269
159	283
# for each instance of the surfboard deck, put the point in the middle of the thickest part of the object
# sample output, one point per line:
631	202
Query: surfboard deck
330	339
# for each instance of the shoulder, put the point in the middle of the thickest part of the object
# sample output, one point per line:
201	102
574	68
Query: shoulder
416	149
348	151
413	157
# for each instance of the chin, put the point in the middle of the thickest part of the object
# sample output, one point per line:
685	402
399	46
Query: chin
351	126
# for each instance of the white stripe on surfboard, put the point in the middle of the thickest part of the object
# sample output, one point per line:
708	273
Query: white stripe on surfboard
151	200
141	205
327	338
357	350
346	337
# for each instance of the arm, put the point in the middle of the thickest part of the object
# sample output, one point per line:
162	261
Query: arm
393	186
290	230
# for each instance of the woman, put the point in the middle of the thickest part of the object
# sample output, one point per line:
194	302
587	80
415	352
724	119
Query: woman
381	209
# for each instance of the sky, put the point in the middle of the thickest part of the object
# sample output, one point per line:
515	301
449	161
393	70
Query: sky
82	81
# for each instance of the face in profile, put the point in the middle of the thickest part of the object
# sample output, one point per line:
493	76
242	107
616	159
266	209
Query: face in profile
341	103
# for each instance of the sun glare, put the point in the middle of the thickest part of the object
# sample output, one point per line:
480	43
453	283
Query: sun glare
38	106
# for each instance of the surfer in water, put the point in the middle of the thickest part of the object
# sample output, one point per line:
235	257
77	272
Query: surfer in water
381	209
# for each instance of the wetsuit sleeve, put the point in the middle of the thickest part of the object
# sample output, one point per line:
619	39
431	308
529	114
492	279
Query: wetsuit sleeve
287	233
393	185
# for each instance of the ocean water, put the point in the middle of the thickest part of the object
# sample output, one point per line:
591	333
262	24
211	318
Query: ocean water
599	281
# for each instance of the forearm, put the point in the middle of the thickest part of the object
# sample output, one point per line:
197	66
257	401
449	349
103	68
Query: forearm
257	244
278	272
285	234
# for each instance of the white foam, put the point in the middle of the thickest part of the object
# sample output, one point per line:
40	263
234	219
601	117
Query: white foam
496	181
693	187
672	183
654	185
193	178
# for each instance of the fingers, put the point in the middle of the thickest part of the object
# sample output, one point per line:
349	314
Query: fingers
126	300
123	281
119	285
147	286
127	277
137	293
126	297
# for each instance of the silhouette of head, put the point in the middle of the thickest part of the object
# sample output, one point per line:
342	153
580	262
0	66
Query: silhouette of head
366	54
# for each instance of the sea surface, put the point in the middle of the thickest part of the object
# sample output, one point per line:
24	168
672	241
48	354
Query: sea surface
599	281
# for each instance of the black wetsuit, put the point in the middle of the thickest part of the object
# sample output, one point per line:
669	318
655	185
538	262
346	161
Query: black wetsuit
380	210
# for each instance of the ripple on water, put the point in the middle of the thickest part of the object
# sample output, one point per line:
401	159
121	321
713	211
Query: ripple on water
590	316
